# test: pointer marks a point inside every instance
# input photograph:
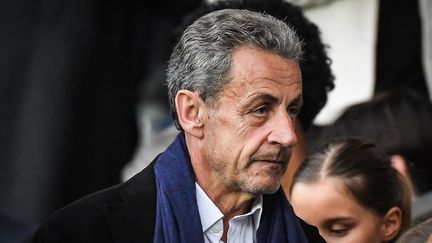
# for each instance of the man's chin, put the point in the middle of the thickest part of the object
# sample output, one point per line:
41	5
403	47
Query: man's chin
270	190
263	188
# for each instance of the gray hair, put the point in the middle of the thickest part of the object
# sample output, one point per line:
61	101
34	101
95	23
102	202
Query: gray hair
201	60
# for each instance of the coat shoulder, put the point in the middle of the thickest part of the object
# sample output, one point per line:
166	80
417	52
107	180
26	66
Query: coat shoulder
80	221
98	216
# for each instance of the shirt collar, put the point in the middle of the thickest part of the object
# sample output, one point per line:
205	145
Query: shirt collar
210	214
256	210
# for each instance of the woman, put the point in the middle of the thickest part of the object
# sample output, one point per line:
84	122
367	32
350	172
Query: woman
350	191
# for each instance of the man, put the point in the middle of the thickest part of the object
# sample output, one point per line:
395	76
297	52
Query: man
235	90
317	79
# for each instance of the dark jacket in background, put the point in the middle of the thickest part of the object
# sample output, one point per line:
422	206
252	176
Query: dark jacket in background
69	72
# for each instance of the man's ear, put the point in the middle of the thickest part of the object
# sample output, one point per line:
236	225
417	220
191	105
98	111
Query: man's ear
392	224
189	111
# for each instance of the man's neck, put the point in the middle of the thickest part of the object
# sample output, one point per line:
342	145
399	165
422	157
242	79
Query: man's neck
230	203
209	213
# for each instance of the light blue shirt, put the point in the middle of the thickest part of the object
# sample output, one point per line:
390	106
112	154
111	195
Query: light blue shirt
242	228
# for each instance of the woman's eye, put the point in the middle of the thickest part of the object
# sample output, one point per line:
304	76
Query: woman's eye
338	230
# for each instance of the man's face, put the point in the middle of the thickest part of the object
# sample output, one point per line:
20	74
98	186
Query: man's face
249	132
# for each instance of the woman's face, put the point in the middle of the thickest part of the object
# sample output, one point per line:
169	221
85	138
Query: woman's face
338	216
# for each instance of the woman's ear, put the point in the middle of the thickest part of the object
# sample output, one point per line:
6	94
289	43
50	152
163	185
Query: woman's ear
189	108
400	164
392	224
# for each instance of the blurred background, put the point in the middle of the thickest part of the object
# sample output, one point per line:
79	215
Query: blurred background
82	93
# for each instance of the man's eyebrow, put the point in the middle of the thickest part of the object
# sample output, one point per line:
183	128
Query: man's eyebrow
272	100
262	97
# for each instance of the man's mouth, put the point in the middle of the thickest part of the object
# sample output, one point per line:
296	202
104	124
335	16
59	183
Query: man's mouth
272	161
275	162
274	157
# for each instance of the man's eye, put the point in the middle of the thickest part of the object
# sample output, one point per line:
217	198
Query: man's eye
293	111
262	110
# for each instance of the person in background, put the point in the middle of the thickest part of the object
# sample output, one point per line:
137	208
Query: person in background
350	191
399	121
420	233
315	67
235	90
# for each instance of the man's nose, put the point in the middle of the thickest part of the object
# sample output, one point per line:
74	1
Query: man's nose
283	130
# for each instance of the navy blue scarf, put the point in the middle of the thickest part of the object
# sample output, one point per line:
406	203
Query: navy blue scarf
177	216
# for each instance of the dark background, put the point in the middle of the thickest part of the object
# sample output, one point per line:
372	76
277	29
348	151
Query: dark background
69	72
69	75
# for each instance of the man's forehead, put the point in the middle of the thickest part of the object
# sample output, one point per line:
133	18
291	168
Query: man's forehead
256	72
249	64
250	53
253	86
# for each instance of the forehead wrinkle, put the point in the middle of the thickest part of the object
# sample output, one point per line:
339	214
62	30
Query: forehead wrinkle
289	80
261	96
270	90
289	74
286	77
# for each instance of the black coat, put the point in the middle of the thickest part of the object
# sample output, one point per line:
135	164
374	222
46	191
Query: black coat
123	213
